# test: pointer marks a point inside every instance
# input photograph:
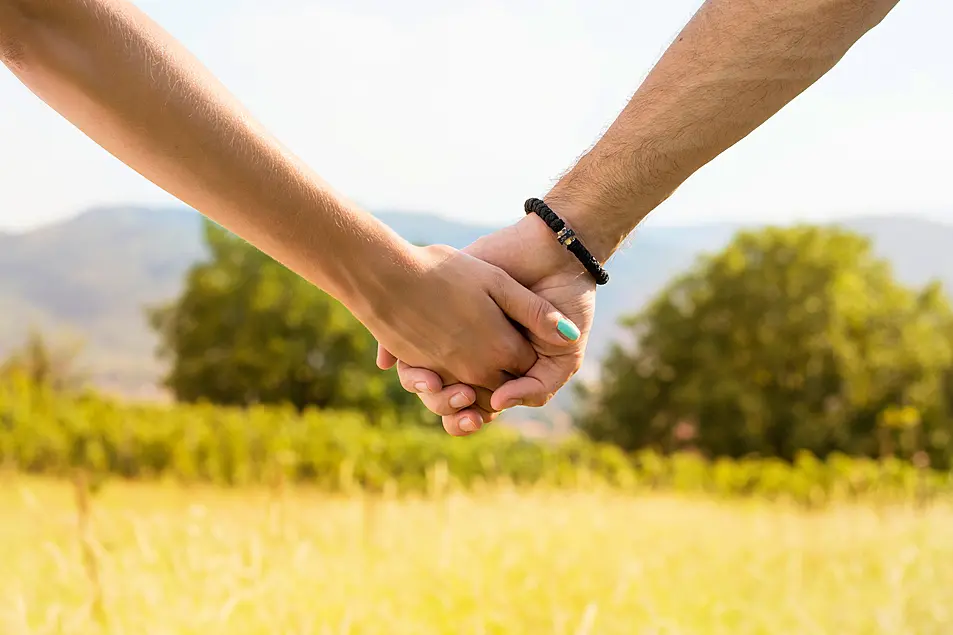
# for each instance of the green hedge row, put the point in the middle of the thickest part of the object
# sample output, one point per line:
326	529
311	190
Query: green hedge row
42	432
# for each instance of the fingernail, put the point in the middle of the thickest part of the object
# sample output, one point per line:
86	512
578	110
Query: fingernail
421	386
459	400
512	403
567	329
467	424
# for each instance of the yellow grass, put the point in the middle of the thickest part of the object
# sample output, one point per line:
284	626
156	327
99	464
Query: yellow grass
207	561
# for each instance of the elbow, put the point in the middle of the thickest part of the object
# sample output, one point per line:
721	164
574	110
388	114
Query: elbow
29	29
876	10
11	52
12	22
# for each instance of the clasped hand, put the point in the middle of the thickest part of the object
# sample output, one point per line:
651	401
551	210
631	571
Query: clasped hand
474	368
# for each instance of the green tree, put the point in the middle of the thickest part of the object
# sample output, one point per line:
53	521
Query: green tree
789	339
247	330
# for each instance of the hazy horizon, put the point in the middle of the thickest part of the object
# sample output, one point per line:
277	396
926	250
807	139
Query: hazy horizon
656	219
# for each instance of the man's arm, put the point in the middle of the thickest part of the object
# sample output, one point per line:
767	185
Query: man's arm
126	83
733	66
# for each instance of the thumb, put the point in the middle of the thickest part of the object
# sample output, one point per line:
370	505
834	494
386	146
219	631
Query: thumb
540	318
384	358
538	385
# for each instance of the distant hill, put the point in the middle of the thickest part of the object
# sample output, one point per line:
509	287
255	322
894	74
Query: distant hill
92	275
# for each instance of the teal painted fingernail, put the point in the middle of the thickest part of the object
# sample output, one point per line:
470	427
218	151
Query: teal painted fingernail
567	329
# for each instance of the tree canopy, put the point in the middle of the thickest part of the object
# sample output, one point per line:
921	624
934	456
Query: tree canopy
247	330
790	338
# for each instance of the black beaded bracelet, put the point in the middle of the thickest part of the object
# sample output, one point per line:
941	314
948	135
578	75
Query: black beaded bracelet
567	238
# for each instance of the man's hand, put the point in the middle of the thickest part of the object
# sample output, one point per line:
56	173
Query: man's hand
528	252
731	68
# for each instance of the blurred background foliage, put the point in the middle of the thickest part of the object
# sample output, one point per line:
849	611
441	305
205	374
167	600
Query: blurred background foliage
789	364
789	339
246	330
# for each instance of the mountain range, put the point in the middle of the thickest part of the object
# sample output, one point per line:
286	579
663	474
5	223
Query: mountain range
90	277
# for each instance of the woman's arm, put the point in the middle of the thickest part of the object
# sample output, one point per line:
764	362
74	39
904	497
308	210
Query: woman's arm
115	74
125	82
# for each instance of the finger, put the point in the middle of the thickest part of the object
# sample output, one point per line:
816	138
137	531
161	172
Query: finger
384	358
535	314
463	423
538	386
438	399
450	400
468	421
418	380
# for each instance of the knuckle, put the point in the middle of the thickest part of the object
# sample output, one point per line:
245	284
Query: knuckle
538	311
11	52
576	365
406	382
497	280
544	399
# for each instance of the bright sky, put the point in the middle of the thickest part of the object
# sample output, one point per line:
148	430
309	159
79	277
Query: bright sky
420	103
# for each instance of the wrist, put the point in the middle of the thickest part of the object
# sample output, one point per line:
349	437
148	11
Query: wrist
373	275
601	238
551	257
546	257
608	193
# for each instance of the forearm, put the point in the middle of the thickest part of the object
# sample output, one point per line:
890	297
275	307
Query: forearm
734	65
128	85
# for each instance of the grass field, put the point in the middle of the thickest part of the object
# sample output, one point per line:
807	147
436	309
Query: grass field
201	560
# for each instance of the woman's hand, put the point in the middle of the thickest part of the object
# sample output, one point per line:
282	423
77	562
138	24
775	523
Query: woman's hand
448	311
528	252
